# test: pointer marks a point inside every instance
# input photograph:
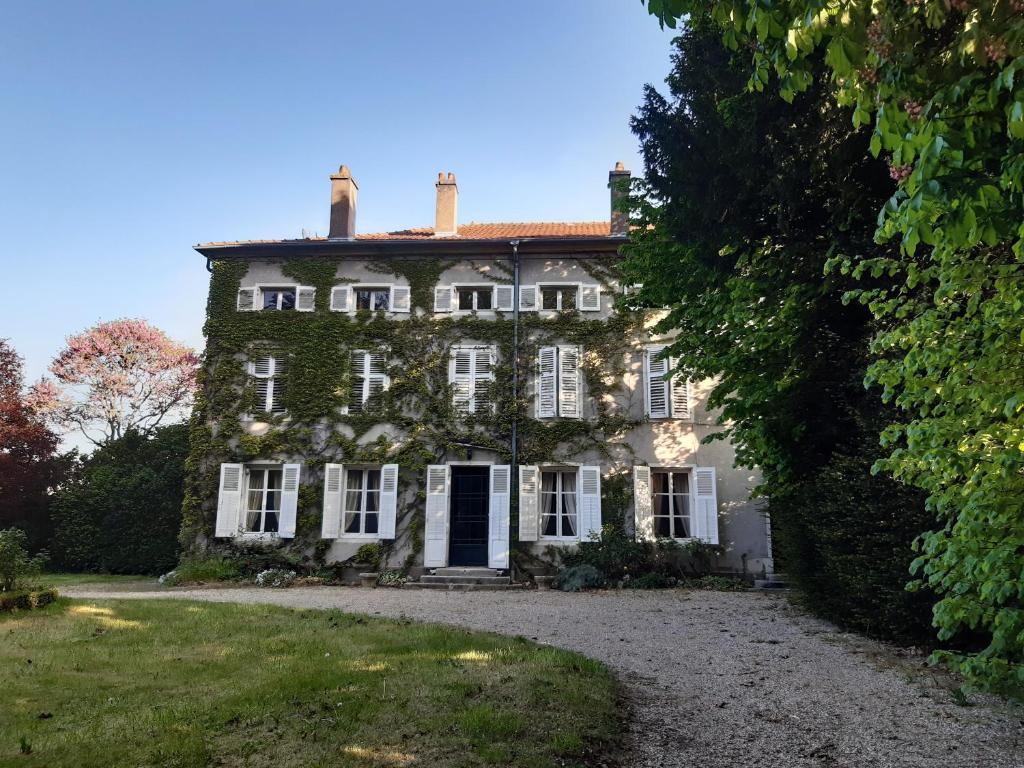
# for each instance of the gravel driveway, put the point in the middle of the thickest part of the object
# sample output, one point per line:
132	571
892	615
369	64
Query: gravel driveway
716	679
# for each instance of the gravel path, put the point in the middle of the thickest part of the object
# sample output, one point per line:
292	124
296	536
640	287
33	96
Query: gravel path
716	679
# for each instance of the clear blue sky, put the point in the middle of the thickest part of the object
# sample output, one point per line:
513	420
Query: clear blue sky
133	130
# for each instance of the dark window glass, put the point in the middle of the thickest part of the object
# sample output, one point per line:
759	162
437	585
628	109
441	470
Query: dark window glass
278	298
549	298
465	298
483	298
372	298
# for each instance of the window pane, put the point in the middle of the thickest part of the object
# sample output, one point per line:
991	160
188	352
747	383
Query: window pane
549	525
465	298
659	482
269	299
661	527
273	478
355	480
270	523
549	298
373	479
362	298
252	519
381	299
256	479
273	500
568	298
287	302
371	523
352	522
483	298
372	501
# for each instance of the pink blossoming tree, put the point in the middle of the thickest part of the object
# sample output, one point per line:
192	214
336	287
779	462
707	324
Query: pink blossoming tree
117	376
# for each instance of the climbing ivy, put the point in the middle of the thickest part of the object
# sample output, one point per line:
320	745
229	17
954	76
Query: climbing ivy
425	427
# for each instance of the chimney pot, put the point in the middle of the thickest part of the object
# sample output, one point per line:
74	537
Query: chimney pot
343	205
446	210
618	183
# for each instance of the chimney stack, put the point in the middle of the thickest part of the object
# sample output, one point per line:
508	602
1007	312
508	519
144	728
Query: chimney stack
446	215
343	205
618	182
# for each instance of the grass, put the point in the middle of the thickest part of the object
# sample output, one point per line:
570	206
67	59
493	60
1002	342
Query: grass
178	684
95	581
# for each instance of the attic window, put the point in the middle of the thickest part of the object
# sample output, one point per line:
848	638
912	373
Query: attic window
475	298
375	299
558	297
278	298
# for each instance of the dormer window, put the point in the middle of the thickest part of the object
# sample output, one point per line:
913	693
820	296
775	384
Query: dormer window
470	298
374	299
271	298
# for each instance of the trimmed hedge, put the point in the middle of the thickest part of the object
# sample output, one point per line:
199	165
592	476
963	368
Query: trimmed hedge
26	599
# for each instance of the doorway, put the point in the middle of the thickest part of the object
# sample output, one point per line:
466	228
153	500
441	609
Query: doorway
470	504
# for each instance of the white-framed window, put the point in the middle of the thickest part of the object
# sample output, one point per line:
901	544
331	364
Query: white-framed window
473	297
670	504
559	297
558	382
264	487
276	298
471	372
360	516
369	380
558	504
370	297
267	374
665	396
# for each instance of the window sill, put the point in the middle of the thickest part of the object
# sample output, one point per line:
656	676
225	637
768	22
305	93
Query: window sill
561	539
250	536
359	537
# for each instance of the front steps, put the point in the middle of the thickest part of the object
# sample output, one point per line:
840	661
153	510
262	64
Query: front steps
465	580
772	581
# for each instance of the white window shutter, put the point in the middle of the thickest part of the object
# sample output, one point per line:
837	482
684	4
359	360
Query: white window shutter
483	375
569	382
547	378
527	298
334	492
229	499
498	516
277	384
289	500
656	394
358	381
443	298
460	376
377	379
705	508
589	505
435	532
305	298
400	298
529	503
262	366
590	298
643	514
246	301
682	395
388	501
503	296
341	296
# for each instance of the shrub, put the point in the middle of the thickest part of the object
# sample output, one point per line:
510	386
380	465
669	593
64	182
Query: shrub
200	570
578	578
391	579
373	554
120	511
650	581
26	599
16	564
275	577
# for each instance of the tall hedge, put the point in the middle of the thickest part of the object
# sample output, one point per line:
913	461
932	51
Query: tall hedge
120	511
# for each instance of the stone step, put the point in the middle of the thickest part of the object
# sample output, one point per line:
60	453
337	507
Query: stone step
474	572
463	587
428	579
772	582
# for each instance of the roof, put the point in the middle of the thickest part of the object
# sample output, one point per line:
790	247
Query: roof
470	231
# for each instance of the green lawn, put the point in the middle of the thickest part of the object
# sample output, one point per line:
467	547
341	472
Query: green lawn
96	581
180	683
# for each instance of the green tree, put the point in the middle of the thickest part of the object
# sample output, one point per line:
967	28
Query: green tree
745	199
120	511
941	81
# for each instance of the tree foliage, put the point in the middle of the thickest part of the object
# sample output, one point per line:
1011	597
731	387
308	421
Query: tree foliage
745	199
942	82
120	510
116	377
28	466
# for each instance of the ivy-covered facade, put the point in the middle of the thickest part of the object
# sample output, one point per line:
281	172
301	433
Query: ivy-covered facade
471	398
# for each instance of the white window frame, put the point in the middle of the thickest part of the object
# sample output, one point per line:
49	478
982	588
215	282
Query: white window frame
559	469
557	284
690	501
244	511
475	351
342	533
474	287
367	375
273	378
259	288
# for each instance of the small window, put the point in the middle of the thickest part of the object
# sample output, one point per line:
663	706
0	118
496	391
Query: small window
558	518
470	298
278	298
558	297
374	299
670	504
362	501
262	501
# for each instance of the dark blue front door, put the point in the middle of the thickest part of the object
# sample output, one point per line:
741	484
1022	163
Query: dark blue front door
470	500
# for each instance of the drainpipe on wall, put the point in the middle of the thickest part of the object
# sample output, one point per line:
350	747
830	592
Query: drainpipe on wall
515	359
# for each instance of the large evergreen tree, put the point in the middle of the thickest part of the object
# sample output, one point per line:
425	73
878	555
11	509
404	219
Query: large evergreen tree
745	200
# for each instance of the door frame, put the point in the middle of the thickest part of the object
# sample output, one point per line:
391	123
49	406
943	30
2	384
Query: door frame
453	465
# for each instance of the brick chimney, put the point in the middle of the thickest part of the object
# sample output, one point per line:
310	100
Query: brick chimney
343	205
446	220
618	182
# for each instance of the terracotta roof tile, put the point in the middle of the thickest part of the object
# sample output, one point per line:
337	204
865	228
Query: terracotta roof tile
470	231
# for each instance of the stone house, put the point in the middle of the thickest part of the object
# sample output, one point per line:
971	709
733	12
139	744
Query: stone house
465	394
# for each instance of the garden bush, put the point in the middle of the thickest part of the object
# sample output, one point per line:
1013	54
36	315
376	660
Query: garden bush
120	511
26	599
16	564
202	570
